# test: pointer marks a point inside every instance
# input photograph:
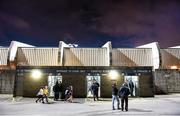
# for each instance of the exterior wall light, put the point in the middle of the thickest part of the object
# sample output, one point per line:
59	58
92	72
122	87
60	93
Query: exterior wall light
36	74
173	67
113	74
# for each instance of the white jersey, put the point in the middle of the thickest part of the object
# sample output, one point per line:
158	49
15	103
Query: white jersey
40	92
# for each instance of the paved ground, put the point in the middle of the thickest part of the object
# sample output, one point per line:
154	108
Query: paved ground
167	105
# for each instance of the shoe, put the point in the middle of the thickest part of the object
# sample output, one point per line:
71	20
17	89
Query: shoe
122	109
126	110
119	108
113	109
36	101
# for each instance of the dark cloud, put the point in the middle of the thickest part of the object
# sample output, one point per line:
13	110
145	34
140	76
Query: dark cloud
11	21
127	23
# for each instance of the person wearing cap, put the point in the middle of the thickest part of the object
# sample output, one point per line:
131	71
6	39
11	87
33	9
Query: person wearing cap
123	93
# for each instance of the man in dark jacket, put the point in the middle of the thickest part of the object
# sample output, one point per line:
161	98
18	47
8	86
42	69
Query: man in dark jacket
94	89
123	93
115	96
56	89
60	89
131	86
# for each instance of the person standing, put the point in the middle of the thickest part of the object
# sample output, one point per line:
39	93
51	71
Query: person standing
56	89
115	96
97	84
94	89
123	93
60	89
131	86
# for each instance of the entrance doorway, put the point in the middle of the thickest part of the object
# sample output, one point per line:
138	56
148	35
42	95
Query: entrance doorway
51	82
90	79
133	83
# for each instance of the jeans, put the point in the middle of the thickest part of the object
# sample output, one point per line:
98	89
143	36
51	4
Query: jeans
115	97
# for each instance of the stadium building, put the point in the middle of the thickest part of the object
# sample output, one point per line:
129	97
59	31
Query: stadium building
25	68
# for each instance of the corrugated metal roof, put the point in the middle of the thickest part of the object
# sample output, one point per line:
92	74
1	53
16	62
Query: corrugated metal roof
13	48
85	57
175	47
132	57
3	56
38	56
170	57
155	53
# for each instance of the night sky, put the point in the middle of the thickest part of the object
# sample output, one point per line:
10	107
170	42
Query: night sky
90	23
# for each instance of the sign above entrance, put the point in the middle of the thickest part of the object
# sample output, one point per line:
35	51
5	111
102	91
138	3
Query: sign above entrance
100	70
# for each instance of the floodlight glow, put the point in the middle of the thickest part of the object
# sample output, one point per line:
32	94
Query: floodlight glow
173	67
36	74
113	74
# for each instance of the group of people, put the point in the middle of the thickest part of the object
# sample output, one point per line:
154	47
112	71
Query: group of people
123	93
43	93
57	89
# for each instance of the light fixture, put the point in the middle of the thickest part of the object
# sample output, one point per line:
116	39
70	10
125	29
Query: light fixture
174	67
36	74
113	74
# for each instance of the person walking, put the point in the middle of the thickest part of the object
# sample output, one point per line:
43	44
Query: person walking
45	94
115	96
123	93
40	95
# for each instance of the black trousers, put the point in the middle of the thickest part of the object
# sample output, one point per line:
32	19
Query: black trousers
95	95
131	90
124	99
40	98
46	97
56	95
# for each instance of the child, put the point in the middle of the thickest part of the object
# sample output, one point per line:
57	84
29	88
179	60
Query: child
40	95
45	94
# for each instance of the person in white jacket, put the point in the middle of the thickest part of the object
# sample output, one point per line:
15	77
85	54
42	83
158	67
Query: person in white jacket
40	95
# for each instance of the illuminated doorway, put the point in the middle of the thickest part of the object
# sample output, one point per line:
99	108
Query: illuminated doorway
90	79
133	84
51	82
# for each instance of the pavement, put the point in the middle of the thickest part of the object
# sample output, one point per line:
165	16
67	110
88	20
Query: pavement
160	105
